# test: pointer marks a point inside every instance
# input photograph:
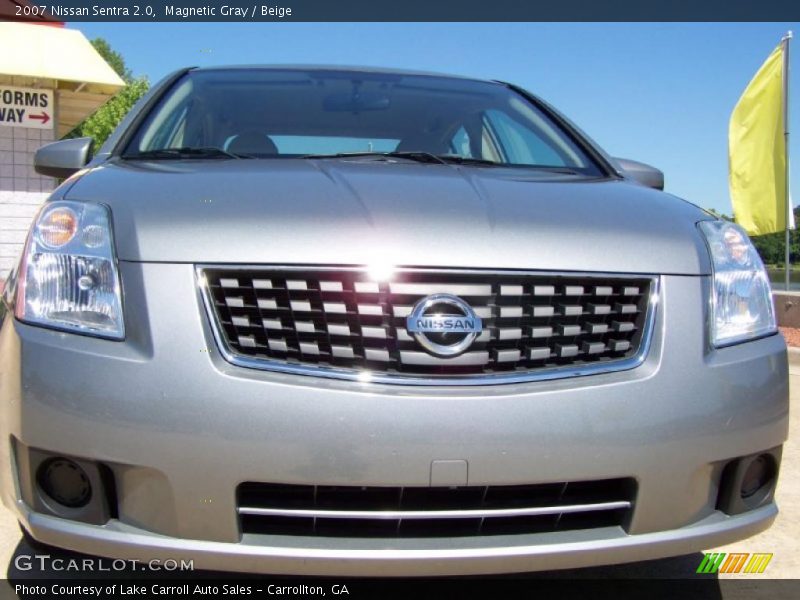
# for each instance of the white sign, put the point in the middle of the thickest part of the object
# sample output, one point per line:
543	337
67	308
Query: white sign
26	107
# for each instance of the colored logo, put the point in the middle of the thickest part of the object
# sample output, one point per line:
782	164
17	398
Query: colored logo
734	562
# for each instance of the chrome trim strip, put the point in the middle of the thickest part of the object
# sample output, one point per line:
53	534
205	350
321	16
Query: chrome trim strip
432	514
365	377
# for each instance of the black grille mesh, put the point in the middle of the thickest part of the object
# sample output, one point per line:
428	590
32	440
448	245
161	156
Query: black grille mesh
341	318
327	498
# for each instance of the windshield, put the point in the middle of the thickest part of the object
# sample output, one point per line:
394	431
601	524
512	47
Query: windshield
284	113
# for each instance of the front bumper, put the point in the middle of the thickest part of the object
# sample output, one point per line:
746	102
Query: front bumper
181	428
447	557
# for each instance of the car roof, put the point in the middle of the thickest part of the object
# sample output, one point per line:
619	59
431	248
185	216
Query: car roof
340	69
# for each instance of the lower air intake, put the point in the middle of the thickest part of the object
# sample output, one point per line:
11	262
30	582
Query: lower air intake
412	512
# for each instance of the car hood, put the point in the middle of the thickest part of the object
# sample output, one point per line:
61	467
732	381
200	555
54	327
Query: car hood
367	211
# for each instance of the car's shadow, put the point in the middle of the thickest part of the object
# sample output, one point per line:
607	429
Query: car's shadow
24	565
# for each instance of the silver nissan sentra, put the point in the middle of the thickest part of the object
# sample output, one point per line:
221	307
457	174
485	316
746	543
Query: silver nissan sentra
350	321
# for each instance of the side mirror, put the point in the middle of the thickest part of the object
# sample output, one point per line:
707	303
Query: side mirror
644	174
62	159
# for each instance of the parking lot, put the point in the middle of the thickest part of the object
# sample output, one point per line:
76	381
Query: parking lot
781	539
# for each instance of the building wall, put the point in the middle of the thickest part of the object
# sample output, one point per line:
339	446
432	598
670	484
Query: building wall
22	190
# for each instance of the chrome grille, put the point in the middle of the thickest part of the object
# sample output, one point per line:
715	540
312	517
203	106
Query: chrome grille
340	323
346	511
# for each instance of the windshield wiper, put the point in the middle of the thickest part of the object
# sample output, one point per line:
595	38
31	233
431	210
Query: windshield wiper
417	155
468	160
185	152
423	157
443	159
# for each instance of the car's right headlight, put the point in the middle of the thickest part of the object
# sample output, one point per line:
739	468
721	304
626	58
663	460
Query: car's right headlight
741	298
68	278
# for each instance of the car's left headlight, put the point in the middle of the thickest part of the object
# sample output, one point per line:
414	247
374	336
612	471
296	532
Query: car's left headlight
68	277
741	298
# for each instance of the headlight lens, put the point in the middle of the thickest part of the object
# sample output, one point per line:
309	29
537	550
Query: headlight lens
741	302
68	276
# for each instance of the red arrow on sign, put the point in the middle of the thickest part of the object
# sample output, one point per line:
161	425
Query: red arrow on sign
44	117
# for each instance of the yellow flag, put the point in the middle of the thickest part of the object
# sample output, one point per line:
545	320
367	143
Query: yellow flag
757	151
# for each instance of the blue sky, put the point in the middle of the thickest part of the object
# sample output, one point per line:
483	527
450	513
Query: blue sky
659	93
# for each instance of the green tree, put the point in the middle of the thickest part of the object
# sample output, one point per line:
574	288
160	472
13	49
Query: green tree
103	121
113	58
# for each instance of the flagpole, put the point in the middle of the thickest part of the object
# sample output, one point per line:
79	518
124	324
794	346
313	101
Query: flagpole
786	40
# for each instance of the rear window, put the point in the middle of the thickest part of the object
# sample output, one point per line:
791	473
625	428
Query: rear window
324	144
277	113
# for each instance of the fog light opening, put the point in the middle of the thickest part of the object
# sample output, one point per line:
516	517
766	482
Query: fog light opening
64	481
759	475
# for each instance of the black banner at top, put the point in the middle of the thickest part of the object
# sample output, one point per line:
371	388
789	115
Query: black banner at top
403	10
